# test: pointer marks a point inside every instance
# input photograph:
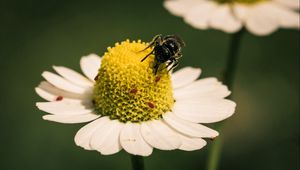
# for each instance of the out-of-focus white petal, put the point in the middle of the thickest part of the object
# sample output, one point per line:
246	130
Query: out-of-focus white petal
287	18
73	76
159	135
240	11
71	118
89	65
132	141
199	15
260	22
190	143
189	128
293	4
106	138
258	17
204	110
180	7
223	19
185	76
84	135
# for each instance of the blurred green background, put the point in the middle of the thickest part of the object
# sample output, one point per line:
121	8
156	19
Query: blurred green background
36	34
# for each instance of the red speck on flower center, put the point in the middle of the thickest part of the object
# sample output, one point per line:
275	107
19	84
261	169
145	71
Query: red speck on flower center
59	98
133	91
151	105
157	79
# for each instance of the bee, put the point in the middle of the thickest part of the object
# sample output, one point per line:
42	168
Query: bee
167	50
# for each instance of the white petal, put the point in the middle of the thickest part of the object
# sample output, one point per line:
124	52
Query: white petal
45	95
260	22
286	17
84	135
64	107
106	138
203	88
190	143
90	65
50	97
71	118
159	135
50	93
204	110
63	83
185	76
188	128
73	76
132	141
199	15
180	7
293	4
240	11
222	18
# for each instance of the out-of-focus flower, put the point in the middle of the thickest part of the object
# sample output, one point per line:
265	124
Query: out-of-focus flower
131	107
260	17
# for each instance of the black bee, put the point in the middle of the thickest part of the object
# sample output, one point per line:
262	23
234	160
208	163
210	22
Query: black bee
167	49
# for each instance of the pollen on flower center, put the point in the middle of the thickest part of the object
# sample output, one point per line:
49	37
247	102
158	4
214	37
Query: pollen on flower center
239	1
127	89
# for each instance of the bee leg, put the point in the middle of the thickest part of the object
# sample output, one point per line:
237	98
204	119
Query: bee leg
156	40
174	61
175	64
156	66
147	56
170	63
178	55
150	45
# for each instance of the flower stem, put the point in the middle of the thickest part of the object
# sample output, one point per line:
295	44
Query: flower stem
228	79
232	58
137	162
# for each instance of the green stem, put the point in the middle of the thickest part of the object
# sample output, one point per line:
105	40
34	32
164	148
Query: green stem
232	58
137	162
228	79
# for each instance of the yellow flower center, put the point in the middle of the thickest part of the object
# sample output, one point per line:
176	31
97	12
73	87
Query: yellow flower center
127	89
239	1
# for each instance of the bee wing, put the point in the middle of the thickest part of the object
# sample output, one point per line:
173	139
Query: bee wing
176	38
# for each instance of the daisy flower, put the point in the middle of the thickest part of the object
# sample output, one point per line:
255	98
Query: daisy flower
260	17
130	107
